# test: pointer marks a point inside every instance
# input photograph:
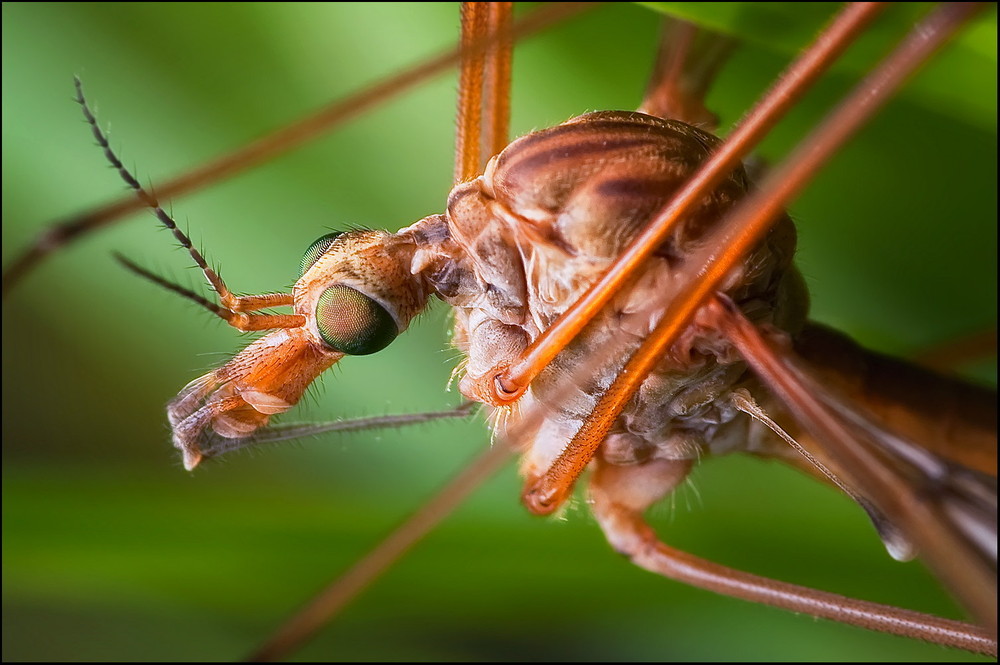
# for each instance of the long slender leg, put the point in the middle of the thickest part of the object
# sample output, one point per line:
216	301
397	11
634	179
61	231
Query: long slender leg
496	97
948	356
325	605
483	115
686	64
620	495
468	127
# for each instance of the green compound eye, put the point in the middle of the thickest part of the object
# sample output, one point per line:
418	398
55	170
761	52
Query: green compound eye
316	250
352	323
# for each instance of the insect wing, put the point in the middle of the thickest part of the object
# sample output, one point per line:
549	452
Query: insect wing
917	499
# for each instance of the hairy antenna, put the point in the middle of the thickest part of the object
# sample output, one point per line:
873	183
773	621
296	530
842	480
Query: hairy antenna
233	308
168	285
146	197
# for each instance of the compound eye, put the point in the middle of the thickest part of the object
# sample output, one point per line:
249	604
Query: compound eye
352	323
316	250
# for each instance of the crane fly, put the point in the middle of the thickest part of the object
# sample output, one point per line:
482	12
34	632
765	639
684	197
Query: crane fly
534	578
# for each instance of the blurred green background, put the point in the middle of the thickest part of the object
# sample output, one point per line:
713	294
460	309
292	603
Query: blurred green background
112	552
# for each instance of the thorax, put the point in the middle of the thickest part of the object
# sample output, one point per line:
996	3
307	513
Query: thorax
550	213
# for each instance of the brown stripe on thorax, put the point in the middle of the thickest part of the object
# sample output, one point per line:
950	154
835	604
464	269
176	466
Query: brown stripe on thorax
537	174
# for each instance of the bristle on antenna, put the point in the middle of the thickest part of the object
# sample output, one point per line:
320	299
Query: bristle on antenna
148	198
233	309
168	285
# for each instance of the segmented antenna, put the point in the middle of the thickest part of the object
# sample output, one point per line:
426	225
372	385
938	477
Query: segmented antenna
146	197
169	286
233	308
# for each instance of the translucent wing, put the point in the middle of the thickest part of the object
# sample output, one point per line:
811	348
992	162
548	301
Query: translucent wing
889	438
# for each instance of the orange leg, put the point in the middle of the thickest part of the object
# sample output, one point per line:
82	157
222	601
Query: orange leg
686	64
483	115
619	496
496	97
470	92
